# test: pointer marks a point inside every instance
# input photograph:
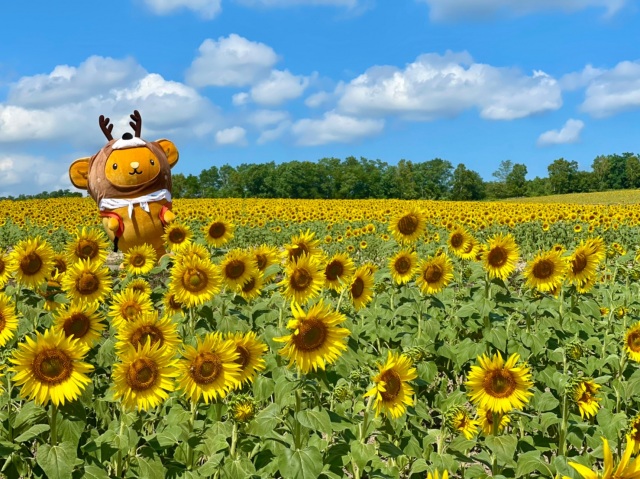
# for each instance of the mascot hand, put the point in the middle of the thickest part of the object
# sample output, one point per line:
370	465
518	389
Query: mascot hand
169	217
111	224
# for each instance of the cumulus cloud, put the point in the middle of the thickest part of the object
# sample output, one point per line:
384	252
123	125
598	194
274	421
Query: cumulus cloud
275	133
290	3
569	133
266	118
318	99
59	105
478	9
205	8
613	91
279	87
235	135
231	61
334	128
31	174
440	86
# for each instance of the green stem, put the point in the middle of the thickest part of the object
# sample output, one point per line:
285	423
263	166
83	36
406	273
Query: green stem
119	462
234	440
562	437
53	436
495	430
364	425
340	299
9	408
296	423
192	421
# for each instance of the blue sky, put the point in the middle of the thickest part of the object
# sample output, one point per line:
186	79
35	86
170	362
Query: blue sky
244	81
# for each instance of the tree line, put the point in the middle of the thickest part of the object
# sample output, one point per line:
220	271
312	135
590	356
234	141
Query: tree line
44	195
437	179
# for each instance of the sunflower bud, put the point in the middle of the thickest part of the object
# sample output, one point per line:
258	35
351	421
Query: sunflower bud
242	408
342	393
574	350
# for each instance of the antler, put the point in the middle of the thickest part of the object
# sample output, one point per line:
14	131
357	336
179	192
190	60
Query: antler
106	127
136	124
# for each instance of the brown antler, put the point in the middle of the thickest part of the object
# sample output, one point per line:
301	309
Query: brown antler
106	127
136	124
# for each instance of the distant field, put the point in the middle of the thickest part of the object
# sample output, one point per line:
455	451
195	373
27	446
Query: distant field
619	197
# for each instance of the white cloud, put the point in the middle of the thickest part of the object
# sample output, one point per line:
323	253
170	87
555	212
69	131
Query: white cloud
437	86
205	8
334	128
46	107
274	133
318	99
613	91
31	174
290	3
231	61
281	86
235	135
477	9
240	99
264	118
569	133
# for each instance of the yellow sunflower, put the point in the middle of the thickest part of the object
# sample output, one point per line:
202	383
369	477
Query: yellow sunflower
127	305
316	339
194	281
5	272
86	281
407	226
458	420
144	376
471	251
148	327
583	265
403	266
500	256
140	259
252	288
250	355
302	244
435	273
89	244
633	437
193	249
32	261
140	285
338	271
361	287
210	370
236	268
171	304
499	386
265	256
391	390
485	419
242	408
583	394
80	321
546	271
176	236
632	342
8	319
436	475
50	368
60	265
303	279
625	469
219	232
459	241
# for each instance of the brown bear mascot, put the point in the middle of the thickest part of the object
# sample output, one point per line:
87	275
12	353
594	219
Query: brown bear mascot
130	180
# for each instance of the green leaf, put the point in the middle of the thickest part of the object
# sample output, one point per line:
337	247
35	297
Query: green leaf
362	453
314	419
94	472
529	462
504	447
29	414
146	468
265	421
301	464
237	468
32	432
57	461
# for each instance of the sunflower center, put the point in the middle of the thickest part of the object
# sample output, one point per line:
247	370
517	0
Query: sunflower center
311	335
334	270
402	265
206	368
243	356
217	230
357	288
499	384
497	257
59	265
77	325
86	249
138	260
579	263
52	366
234	269
177	235
87	283
634	341
301	279
174	303
2	266
262	261
298	250
194	280
248	286
142	374
456	240
130	309
392	384
147	332
31	264
3	322
432	274
408	224
543	269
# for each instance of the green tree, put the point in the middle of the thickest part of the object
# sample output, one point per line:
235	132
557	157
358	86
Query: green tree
516	182
467	185
433	178
562	176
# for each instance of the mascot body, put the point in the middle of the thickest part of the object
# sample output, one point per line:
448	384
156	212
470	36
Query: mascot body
130	180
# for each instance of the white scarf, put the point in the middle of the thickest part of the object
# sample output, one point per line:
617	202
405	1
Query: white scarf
143	201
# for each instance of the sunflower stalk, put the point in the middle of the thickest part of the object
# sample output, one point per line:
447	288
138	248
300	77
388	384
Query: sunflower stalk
53	426
297	439
234	440
119	466
192	421
495	431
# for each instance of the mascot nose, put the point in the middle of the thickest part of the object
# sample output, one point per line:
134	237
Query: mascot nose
134	164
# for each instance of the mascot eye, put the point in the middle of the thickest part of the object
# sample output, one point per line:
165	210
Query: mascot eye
115	166
152	162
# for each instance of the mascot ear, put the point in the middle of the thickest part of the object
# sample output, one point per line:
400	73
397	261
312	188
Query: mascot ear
170	150
79	172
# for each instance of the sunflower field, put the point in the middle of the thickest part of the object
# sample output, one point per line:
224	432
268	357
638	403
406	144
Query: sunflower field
322	339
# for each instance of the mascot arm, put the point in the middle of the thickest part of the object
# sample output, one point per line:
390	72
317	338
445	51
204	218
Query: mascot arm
166	215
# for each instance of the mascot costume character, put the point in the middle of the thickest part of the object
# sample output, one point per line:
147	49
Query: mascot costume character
130	180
